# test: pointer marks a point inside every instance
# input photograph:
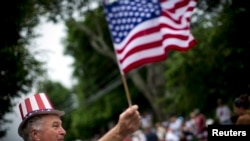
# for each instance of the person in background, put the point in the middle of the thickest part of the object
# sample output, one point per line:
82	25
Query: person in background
150	133
223	113
138	136
188	127
241	108
174	129
160	131
176	124
146	119
200	125
234	118
170	135
128	138
41	122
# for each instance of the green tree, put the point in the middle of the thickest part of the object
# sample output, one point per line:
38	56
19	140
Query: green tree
18	68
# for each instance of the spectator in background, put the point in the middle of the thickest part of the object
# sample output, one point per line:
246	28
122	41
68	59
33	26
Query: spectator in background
150	134
223	113
146	119
234	118
160	131
174	130
200	125
241	108
188	127
171	136
128	138
138	136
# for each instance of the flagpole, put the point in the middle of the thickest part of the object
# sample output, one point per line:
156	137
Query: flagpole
126	90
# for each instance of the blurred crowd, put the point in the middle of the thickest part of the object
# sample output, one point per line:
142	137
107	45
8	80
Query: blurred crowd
176	128
192	127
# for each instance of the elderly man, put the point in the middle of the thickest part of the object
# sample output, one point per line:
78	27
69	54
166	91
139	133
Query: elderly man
41	122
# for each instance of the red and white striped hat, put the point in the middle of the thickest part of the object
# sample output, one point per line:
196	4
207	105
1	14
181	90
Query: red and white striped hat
36	104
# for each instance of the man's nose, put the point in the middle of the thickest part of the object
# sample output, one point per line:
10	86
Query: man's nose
62	131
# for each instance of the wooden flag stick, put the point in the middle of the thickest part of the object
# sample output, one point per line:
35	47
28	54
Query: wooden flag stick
126	89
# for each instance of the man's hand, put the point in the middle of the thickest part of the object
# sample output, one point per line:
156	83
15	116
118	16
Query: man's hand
129	122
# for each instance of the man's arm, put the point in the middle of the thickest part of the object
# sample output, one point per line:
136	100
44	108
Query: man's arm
129	122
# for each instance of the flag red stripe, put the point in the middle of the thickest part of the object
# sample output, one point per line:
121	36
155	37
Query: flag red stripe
158	44
143	61
150	31
165	25
179	5
137	35
159	58
176	21
154	45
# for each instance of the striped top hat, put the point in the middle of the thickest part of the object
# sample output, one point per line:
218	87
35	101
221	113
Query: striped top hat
36	104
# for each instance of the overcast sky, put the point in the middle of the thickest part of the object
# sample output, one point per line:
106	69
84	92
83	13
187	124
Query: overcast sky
58	67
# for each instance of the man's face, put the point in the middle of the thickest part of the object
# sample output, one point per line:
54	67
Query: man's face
51	129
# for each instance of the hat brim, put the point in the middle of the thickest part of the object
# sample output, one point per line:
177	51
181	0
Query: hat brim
44	112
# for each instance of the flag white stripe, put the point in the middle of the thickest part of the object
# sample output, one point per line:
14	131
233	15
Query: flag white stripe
157	36
177	42
149	24
142	26
139	41
169	4
154	52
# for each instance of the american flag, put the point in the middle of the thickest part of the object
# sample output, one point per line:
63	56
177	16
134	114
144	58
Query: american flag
143	31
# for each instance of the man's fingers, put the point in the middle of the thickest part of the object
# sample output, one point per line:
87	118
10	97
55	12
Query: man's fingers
133	109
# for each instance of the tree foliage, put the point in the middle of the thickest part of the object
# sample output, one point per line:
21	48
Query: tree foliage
18	68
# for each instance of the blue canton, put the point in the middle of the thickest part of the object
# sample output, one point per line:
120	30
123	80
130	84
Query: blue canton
124	15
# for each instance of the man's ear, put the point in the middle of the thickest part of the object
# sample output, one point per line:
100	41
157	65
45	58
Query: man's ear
34	135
